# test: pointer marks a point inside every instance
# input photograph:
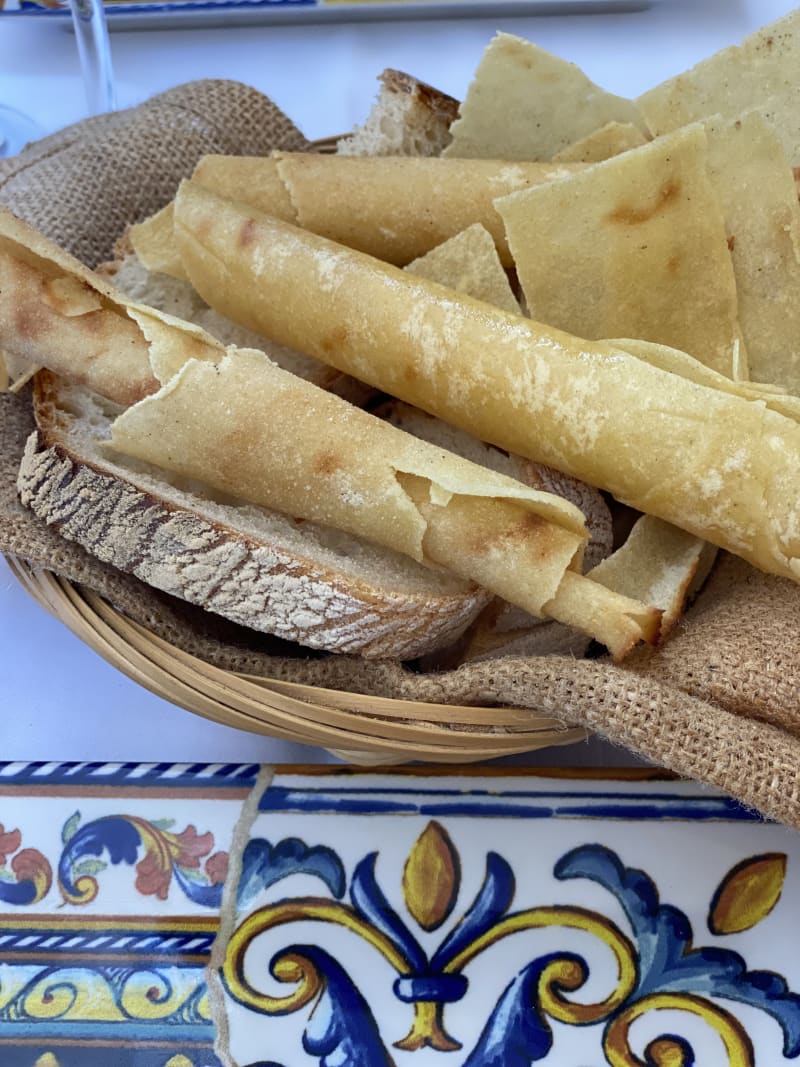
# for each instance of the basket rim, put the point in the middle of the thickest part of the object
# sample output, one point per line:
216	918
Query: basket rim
360	728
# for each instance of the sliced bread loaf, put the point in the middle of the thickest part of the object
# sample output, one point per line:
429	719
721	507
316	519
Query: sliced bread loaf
297	580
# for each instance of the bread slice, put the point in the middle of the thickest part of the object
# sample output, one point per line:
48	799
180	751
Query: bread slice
408	118
294	579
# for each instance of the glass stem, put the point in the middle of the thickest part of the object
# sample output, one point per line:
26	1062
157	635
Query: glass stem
91	33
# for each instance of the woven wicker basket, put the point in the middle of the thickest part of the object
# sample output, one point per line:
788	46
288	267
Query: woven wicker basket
360	729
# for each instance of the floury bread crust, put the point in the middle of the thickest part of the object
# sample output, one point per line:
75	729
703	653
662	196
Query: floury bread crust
296	580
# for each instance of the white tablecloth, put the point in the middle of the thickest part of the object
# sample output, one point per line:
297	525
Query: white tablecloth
57	698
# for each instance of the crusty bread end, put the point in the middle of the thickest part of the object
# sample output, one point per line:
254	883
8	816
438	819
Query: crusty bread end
408	118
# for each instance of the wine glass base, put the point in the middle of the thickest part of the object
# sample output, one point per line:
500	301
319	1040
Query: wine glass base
16	130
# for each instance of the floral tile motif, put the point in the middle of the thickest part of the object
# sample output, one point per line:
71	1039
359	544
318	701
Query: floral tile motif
111	880
474	920
135	838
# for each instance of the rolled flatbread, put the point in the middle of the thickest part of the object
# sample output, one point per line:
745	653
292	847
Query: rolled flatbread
394	208
718	465
56	313
273	439
526	103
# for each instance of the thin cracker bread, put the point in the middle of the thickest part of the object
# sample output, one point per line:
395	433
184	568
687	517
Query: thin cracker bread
758	197
634	246
525	103
762	71
469	263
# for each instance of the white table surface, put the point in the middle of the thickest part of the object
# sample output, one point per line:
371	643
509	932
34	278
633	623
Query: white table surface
58	700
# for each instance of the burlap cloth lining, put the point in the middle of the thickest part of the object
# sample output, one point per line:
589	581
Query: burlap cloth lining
720	704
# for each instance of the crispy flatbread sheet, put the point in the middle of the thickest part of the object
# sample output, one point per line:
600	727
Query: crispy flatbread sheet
399	208
762	72
469	263
634	246
758	196
525	103
660	565
273	439
610	140
721	467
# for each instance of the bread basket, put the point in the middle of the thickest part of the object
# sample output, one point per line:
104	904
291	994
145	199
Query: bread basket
719	703
361	729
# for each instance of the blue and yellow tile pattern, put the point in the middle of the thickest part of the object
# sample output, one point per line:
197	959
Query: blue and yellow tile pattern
463	918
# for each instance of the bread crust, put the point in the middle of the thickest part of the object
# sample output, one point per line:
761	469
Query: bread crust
439	103
409	117
181	551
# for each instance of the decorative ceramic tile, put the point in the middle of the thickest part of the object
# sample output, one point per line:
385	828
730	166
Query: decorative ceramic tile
111	879
474	920
373	919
